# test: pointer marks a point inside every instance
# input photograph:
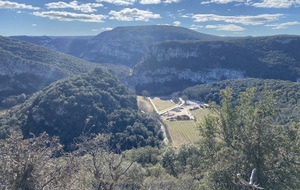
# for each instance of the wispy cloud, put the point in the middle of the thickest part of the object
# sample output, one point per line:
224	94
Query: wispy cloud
145	2
242	19
15	5
118	2
134	14
276	3
259	3
106	29
151	2
176	23
88	7
195	27
226	27
69	16
283	25
221	1
101	29
171	1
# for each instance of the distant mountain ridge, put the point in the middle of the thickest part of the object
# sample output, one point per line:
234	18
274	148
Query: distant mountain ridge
162	56
194	62
66	44
27	68
122	45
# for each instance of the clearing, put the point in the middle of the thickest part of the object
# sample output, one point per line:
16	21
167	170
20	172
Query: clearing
180	120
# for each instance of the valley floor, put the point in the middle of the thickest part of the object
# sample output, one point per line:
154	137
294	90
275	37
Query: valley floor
179	121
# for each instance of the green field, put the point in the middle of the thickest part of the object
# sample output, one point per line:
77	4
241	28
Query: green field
182	132
162	104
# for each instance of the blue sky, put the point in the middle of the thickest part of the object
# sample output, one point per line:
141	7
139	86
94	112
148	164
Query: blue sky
90	17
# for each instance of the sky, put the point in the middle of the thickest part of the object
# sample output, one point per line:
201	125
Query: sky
91	17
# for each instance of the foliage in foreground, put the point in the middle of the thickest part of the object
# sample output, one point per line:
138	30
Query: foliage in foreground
243	135
237	137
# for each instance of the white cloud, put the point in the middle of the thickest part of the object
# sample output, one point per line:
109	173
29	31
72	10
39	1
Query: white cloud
171	1
186	15
195	27
102	29
14	5
134	14
176	23
221	1
226	27
144	2
106	29
259	3
34	25
69	16
88	7
118	2
277	3
158	1
283	25
242	19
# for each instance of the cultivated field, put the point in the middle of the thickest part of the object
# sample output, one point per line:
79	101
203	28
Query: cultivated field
162	103
183	131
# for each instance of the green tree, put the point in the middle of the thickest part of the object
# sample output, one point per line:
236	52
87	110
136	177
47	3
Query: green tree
145	94
242	135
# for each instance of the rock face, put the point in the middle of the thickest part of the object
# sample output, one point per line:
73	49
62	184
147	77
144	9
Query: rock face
170	66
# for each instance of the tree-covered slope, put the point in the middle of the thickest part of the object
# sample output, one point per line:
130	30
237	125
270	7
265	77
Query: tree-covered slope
286	93
94	102
26	68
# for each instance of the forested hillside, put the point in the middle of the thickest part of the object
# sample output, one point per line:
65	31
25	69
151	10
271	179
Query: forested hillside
27	68
286	94
95	102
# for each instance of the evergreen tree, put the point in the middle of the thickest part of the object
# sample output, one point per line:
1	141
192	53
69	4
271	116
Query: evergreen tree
242	135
